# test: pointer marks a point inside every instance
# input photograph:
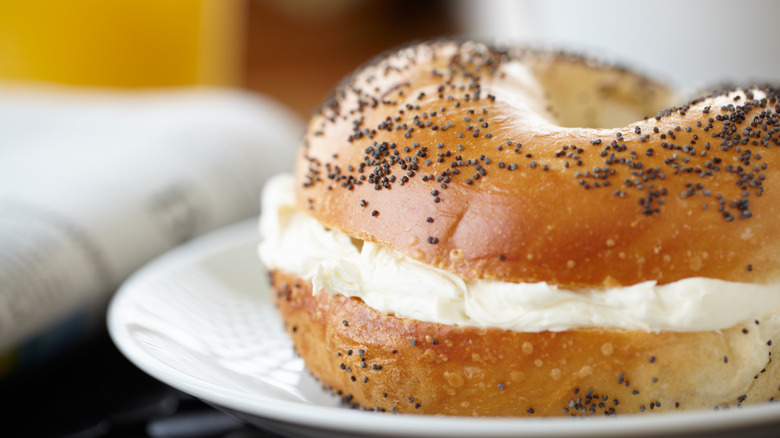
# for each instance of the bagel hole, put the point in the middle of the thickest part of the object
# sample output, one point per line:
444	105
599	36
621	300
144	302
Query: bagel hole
586	96
605	107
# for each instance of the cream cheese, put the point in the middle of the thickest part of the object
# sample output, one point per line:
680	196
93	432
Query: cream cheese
392	283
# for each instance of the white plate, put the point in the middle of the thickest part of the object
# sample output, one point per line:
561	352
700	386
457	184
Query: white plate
201	319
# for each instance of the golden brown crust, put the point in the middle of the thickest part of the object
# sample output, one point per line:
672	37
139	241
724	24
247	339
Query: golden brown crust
400	365
418	150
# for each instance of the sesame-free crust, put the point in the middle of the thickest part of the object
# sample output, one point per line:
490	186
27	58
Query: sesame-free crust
443	152
385	363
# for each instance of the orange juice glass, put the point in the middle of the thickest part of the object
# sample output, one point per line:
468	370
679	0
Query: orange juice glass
125	43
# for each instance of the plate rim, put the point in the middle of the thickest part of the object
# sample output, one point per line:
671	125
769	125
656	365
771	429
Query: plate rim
344	419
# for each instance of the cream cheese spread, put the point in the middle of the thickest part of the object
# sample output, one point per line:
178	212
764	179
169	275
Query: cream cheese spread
393	283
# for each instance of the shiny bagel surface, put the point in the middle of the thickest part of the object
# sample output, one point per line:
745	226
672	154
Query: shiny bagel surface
527	166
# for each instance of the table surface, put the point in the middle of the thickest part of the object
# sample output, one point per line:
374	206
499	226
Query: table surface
94	391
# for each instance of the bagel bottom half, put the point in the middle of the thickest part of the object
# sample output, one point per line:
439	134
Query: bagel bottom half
386	363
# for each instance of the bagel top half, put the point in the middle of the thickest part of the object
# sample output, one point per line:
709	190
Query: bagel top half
529	166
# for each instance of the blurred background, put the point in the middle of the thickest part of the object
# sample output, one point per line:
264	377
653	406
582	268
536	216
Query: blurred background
67	66
296	50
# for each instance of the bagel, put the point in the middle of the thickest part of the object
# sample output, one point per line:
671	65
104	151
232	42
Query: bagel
501	231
